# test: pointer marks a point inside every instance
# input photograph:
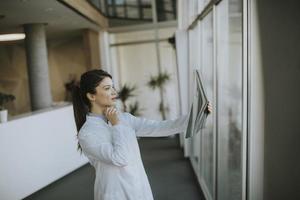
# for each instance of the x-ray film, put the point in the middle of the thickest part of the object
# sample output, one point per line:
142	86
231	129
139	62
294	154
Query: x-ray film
198	114
190	127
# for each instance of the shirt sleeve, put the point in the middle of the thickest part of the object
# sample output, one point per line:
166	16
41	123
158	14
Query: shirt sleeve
153	128
113	152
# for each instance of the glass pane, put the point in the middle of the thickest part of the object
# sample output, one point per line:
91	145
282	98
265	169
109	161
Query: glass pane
195	7
95	3
119	2
168	6
147	13
136	63
194	62
166	10
170	16
131	2
120	11
229	64
103	6
110	11
133	12
129	37
190	13
200	6
206	2
207	144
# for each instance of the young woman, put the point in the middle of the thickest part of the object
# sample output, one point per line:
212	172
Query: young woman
108	138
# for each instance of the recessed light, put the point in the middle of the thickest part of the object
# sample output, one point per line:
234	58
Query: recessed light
12	37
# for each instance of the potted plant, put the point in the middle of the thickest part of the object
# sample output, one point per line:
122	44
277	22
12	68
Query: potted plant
135	109
4	98
125	93
160	81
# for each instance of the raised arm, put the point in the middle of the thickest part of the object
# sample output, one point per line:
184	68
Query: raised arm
153	128
96	145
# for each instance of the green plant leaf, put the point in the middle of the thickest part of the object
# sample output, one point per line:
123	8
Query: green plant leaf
5	98
152	83
135	109
126	92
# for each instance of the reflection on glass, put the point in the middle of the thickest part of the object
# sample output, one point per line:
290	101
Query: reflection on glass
147	13
201	5
194	44
110	11
95	3
137	9
132	12
120	11
166	10
207	144
119	2
229	64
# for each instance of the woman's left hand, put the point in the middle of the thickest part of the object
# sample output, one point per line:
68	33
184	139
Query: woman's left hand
209	108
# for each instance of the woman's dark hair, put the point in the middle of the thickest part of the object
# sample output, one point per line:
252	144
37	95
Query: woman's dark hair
81	104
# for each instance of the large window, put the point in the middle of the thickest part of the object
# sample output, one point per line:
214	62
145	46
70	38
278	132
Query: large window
230	99
137	11
207	140
194	63
215	48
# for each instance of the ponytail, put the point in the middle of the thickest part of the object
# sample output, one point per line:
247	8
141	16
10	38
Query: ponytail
81	104
80	110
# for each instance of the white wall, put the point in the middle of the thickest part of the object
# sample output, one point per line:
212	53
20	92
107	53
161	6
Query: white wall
278	41
36	150
137	62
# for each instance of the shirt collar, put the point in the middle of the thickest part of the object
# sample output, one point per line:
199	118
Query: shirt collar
97	117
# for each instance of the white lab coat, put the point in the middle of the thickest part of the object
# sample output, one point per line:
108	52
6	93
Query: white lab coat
115	154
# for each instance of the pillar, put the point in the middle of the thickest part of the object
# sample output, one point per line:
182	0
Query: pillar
92	49
37	64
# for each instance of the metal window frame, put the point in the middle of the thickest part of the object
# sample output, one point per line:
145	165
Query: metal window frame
246	152
246	99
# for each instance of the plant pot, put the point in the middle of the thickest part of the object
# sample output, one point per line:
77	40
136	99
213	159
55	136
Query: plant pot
3	116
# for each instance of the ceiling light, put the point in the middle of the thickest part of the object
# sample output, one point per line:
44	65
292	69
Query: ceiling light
11	37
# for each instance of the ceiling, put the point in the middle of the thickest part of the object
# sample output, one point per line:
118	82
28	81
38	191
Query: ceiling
61	20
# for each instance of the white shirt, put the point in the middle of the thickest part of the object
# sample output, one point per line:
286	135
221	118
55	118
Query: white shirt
115	153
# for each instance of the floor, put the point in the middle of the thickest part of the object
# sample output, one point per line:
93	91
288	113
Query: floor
170	174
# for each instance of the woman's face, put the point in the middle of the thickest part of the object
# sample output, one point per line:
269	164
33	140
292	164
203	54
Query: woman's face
105	94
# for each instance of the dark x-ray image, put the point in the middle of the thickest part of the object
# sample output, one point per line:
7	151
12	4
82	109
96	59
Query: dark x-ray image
190	127
198	114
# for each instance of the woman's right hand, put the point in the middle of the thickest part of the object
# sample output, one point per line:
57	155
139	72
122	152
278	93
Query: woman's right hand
112	115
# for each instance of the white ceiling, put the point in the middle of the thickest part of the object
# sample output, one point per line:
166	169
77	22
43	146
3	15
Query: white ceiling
60	19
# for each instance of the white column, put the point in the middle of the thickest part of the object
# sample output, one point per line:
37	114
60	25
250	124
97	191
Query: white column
37	62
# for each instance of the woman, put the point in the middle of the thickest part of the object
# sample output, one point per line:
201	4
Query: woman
108	138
